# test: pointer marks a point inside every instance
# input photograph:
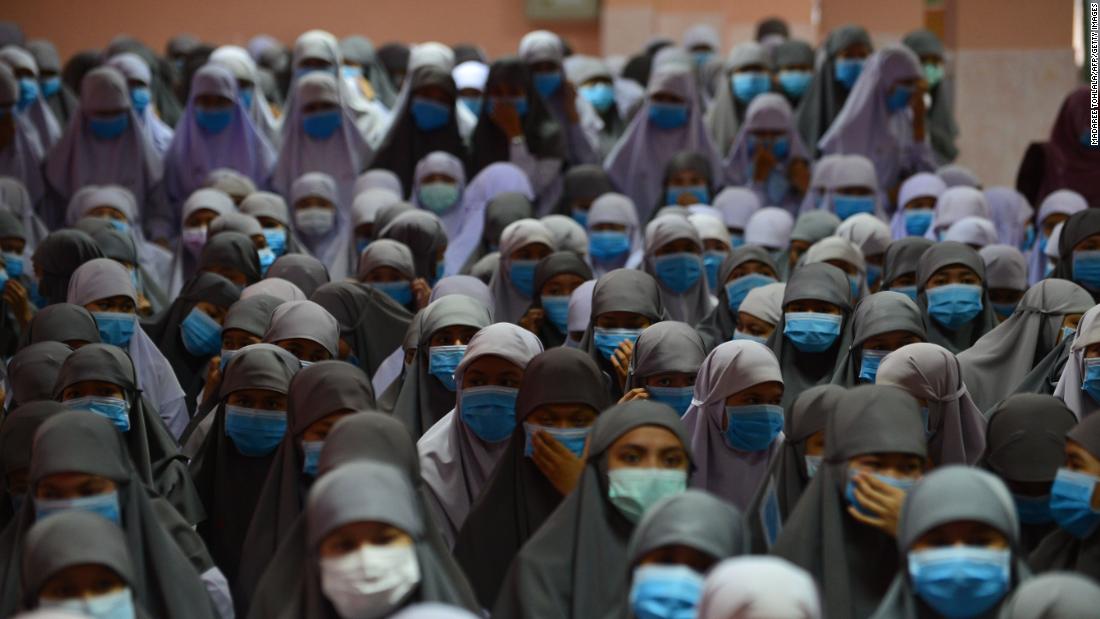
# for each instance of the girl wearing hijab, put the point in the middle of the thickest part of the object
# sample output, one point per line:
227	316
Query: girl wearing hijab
54	261
387	266
952	292
673	548
882	323
556	277
20	424
503	210
737	205
747	74
542	52
69	324
1056	208
581	185
271	211
841	530
306	330
917	198
57	94
1012	215
973	231
523	243
759	313
664	363
846	51
251	89
467	244
953	205
30	102
438	184
813	336
942	130
674	258
845	256
689	179
758	587
18	308
371	323
1053	596
21	152
1077	384
612	99
768	154
32	373
470	76
872	236
716	245
18	200
794	69
1079	259
304	271
422	232
899	265
637	454
669	122
138	78
809	228
614	234
1025	446
854	189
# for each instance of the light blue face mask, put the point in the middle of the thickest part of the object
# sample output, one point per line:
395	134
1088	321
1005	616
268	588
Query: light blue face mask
753	427
28	92
1033	509
634	490
489	412
522	275
1071	503
917	221
140	98
874	273
114	605
699	194
854	285
954	305
679	398
1004	310
780	146
557	311
226	356
440	270
899	98
51	86
267	258
572	439
904	485
438	197
472	103
201	334
429	114
748	337
442	362
400	291
748	84
276	240
351	72
678	272
607	340
13	264
115	328
110	127
909	291
869	362
712	260
580	216
119	225
925	418
812	332
846	206
702	57
662	591
1068	333
1086	268
738	289
105	504
795	83
321	125
847	70
960	582
246	96
813	464
548	83
213	121
115	410
601	95
668	115
607	245
933	73
255	432
361	245
311	456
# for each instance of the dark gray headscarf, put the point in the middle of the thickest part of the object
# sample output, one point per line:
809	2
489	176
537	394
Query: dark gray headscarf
902	257
371	322
58	256
33	371
718	326
811	227
1077	228
582	183
62	322
305	272
825	96
16	436
423	233
360	49
667	346
875	315
1052	596
232	250
557	263
942	129
943	254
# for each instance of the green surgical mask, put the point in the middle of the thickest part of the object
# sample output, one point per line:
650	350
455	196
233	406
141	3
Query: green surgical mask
634	490
933	74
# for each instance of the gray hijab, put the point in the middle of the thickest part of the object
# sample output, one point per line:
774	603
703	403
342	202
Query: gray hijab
16	435
692	305
62	322
371	322
718	326
33	371
726	113
622	290
511	303
1052	596
825	96
811	227
667	346
902	258
305	272
875	315
943	254
304	320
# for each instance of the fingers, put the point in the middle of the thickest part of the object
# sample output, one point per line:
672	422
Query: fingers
637	393
870	500
865	519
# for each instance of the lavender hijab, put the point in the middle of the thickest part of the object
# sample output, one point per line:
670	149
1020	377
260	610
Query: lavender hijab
1011	214
495	179
135	69
919	185
243	67
767	112
737	205
22	159
615	208
510	302
1069	385
1064	202
39	112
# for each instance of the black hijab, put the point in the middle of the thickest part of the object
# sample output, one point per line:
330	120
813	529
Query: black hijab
1077	228
582	183
556	263
58	255
718	326
232	250
62	322
371	322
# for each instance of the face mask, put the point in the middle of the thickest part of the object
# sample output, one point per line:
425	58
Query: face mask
699	194
226	356
1067	333
925	418
795	83
321	125
548	83
868	367
580	216
847	71
140	98
668	115
351	72
440	269
194	239
1004	310
874	272
954	305
13	264
311	456
255	432
898	99
1071	503
701	58
442	362
246	96
115	328
712	259
678	272
267	258
28	92
522	275
115	605
1086	269
780	146
429	114
37	299
608	340
398	291
749	84
917	221
370	581
909	291
489	412
1033	509
741	335
812	331
121	226
933	74
105	505
51	86
361	245
519	103
472	103
437	197
737	240
109	128
854	286
213	121
753	427
960	582
665	591
850	490
813	463
557	311
608	244
572	439
301	72
679	398
846	206
201	334
738	289
315	221
276	240
600	95
634	490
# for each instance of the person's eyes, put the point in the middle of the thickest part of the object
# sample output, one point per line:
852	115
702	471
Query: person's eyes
102	585
674	460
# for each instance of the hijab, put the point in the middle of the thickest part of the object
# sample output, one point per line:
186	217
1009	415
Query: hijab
1005	266
810	227
902	258
737	205
58	256
838	249
767	112
238	61
942	129
371	323
757	587
265	204
1068	159
334	247
32	372
447	164
1011	214
63	102
1069	388
1063	201
16	435
693	304
616	208
305	272
944	254
557	263
955	204
665	347
1077	228
877	314
62	322
511	302
1052	596
38	111
726	114
826	96
21	160
919	185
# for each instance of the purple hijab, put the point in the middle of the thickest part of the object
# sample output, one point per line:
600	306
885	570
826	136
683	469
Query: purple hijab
767	112
22	159
134	68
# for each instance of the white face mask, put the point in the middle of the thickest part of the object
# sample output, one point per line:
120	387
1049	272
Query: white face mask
194	238
370	581
315	221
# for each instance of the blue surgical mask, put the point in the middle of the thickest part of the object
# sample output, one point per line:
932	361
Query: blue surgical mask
813	463
201	334
28	92
267	258
747	85
607	245
960	582
361	245
917	221
548	83
572	439
115	410
442	362
847	71
13	264
311	456
351	72
668	115
522	275
738	289
109	128
846	206
105	504
246	96
925	417
1086	268
489	412
400	291
679	398
812	331
712	260
737	240
580	216
634	490
226	356
601	95
472	103
1067	333
903	484
440	269
741	335
607	340
255	432
874	273
140	98
909	291
753	427
698	193
520	103
429	114
113	605
557	311
1033	509
115	328
899	98
213	121
701	58
1004	310
954	305
321	125
1071	503
276	240
662	591
678	272
119	225
438	196
51	86
854	284
870	360
795	83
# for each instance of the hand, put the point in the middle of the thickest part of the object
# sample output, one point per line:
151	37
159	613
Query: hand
15	295
569	102
533	319
881	499
506	118
798	172
422	292
764	162
144	306
621	360
213	371
916	104
557	463
637	393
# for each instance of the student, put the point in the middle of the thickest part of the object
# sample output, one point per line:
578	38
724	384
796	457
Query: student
1012	215
794	69
438	185
917	198
952	292
201	207
387	266
31	103
614	234
942	128
973	231
673	256
1077	251
899	265
737	205
768	154
771	228
809	228
953	205
881	323
422	232
138	78
21	423
557	276
522	244
251	90
846	51
21	149
320	221
470	77
274	216
689	178
872	236
663	365
1076	383
1006	269
55	92
757	587
612	100
844	255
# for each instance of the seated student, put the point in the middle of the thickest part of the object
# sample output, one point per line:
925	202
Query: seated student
844	255
768	155
320	221
744	76
638	453
69	324
760	313
673	256
387	266
872	236
794	69
737	205
1055	209
663	365
16	437
756	587
882	323
843	528
274	216
673	548
23	150
581	185
1077	251
304	271
522	244
54	260
977	232
716	244
233	256
688	180
955	204
1052	595
306	330
248	226
422	232
371	323
958	546
200	208
846	52
899	265
809	228
745	269
612	99
953	294
1006	270
232	183
770	228
614	234
916	198
556	277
